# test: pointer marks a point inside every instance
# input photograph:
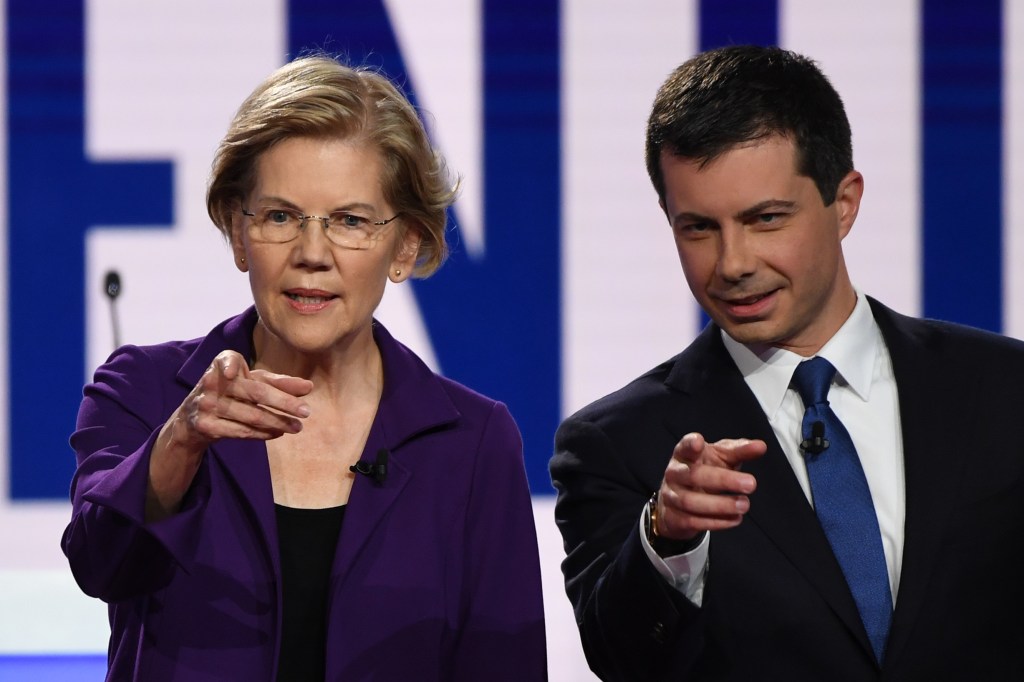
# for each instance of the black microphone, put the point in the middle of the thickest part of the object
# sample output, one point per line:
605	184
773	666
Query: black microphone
817	443
112	288
377	470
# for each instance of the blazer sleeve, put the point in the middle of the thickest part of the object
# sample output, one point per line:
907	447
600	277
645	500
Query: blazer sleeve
113	553
502	635
633	624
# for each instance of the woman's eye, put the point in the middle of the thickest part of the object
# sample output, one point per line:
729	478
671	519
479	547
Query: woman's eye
348	220
277	217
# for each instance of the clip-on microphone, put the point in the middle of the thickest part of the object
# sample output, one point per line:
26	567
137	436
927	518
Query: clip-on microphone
817	443
377	470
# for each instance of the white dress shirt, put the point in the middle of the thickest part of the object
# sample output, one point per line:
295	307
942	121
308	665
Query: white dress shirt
864	397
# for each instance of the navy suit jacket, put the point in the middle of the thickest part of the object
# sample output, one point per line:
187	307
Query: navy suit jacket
436	574
776	606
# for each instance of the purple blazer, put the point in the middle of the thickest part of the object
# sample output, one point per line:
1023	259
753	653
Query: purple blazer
435	577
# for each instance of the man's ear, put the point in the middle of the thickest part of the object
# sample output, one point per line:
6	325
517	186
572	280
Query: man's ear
848	196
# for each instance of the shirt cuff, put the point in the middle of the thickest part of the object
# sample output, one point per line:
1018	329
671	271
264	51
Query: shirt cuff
684	572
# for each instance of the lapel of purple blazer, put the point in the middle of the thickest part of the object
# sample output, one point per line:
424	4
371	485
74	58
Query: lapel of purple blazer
931	414
718	400
244	461
412	402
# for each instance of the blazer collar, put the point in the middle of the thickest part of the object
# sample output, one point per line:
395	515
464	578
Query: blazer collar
244	461
411	390
414	401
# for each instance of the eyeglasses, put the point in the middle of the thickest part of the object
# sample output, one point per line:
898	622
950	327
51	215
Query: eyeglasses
349	230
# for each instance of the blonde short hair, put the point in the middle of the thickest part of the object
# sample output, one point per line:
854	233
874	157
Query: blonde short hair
318	96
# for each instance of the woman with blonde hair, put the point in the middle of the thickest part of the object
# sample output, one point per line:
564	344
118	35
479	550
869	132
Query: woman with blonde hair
296	496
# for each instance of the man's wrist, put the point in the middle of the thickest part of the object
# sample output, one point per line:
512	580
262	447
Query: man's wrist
662	546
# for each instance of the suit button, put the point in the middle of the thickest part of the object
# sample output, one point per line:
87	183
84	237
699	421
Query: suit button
658	633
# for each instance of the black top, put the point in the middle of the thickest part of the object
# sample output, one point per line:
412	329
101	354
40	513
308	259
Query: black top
308	538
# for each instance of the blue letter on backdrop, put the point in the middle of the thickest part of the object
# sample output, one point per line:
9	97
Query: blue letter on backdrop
54	195
494	322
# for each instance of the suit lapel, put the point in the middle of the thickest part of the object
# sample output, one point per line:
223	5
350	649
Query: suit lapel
244	461
928	414
246	464
413	402
368	503
715	397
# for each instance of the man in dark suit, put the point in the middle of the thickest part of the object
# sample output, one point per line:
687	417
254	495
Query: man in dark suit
817	488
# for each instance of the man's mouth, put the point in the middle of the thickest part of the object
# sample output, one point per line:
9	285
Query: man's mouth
752	305
747	300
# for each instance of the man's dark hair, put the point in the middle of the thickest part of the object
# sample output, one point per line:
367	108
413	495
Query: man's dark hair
726	97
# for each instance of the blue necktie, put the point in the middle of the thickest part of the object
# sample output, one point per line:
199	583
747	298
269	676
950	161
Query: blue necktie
842	501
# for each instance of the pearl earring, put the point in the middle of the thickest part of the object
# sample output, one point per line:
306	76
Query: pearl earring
398	273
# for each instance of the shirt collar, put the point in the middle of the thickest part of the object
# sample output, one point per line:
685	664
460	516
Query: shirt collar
852	351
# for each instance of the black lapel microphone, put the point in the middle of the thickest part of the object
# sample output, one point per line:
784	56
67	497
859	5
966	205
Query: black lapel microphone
377	470
112	288
817	443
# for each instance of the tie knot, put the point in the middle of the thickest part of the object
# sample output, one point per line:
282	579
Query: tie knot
812	380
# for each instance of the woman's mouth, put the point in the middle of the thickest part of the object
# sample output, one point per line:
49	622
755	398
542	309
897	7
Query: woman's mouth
309	300
301	298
